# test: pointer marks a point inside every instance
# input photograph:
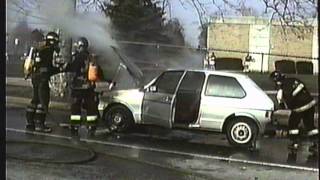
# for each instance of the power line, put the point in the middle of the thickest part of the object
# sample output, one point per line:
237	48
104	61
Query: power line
17	22
32	4
208	49
16	4
18	7
27	14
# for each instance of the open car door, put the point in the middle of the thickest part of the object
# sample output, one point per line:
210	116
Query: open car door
159	99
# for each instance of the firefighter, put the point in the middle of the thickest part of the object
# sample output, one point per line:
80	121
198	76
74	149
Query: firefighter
292	94
40	71
85	72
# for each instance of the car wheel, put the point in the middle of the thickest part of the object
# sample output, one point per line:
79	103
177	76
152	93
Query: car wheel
241	132
118	118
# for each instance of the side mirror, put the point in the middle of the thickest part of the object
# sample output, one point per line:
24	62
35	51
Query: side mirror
152	89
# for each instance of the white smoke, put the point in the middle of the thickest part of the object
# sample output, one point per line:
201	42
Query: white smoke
96	27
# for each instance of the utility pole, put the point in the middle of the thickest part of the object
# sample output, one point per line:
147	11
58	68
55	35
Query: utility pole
74	13
69	41
66	53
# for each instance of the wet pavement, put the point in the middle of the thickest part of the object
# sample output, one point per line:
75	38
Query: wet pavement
191	154
103	167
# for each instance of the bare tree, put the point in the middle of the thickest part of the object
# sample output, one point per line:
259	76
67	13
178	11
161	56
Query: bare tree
298	14
294	15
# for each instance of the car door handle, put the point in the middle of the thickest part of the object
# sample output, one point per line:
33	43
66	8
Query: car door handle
167	99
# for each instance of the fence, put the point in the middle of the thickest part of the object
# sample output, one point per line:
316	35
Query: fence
266	62
153	58
148	55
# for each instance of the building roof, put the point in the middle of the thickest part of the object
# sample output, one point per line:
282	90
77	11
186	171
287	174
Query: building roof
254	20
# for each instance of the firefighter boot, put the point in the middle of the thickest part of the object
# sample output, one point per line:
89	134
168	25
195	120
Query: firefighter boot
74	131
293	150
40	126
294	137
91	130
314	149
292	157
313	137
29	119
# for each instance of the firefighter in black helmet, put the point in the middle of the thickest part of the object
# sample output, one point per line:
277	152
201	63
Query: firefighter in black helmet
292	94
82	88
41	71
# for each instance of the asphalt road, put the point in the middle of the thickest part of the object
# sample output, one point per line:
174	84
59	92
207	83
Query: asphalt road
155	153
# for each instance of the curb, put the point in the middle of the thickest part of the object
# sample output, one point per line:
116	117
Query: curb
20	101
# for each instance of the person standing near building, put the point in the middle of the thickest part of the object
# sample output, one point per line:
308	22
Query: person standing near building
210	62
247	62
85	74
40	68
292	94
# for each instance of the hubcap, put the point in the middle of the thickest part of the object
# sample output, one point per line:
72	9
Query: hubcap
117	118
241	132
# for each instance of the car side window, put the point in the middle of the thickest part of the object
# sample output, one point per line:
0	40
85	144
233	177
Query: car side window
168	81
192	81
223	86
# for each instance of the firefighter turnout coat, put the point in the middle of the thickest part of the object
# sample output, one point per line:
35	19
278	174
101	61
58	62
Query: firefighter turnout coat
82	88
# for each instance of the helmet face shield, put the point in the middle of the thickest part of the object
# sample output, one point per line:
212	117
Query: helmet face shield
82	44
276	76
52	42
52	38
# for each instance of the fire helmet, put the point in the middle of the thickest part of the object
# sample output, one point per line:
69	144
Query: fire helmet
276	76
52	38
83	43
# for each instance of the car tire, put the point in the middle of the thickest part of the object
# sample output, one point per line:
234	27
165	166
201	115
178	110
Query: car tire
118	119
241	132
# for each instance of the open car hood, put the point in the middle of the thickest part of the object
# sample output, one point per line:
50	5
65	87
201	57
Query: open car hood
133	69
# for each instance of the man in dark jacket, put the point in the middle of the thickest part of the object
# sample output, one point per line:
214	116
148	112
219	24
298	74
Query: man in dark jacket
292	94
40	76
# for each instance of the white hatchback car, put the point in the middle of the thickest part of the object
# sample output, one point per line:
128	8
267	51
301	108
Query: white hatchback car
193	99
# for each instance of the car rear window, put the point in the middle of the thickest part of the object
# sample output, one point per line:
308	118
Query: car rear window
223	86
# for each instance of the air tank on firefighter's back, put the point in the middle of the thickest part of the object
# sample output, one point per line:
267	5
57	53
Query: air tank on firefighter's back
59	83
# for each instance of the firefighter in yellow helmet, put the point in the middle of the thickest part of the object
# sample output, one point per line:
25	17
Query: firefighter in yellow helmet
85	74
